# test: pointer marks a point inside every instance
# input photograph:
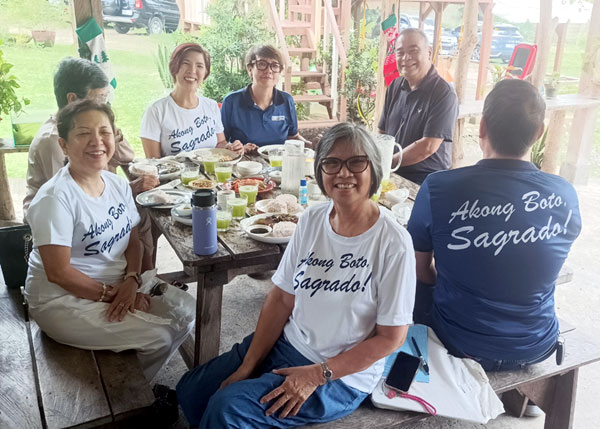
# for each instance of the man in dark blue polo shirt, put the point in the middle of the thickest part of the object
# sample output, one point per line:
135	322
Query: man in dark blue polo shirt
420	109
245	121
500	231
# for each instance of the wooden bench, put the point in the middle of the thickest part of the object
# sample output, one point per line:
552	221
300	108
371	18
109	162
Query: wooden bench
47	384
552	387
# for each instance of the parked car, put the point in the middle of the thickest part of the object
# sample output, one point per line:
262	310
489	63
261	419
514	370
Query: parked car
155	16
449	41
504	39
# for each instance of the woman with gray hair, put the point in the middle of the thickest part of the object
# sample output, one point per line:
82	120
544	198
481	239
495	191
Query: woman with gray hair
342	301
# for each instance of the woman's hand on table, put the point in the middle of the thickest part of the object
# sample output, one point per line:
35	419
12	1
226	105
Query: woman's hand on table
250	147
242	373
142	302
143	184
236	147
300	382
123	301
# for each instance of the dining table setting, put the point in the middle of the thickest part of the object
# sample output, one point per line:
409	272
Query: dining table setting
259	198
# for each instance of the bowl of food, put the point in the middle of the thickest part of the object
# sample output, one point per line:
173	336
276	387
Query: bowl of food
284	203
165	169
281	226
249	168
258	181
217	154
184	210
202	184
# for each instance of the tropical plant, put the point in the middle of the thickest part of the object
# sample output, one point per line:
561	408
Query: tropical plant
502	72
9	101
537	150
551	84
162	62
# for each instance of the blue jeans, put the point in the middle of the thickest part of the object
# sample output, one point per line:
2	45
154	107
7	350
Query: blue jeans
423	314
238	406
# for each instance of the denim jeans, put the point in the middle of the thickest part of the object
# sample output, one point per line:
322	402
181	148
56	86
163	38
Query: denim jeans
423	314
238	406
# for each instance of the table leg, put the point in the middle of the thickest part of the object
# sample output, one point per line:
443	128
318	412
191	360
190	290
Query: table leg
7	211
208	315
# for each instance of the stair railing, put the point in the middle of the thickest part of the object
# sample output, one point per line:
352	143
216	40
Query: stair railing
287	83
337	50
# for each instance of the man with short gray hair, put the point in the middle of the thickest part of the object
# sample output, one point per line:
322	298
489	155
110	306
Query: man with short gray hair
420	109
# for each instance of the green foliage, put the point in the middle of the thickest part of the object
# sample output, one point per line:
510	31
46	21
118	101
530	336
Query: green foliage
34	14
9	101
537	150
234	29
162	63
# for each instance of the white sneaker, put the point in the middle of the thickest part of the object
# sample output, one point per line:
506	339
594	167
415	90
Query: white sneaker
532	410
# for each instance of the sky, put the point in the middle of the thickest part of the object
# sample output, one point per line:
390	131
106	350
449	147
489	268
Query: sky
576	11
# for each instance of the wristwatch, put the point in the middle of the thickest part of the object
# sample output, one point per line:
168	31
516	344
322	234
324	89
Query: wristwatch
136	277
327	373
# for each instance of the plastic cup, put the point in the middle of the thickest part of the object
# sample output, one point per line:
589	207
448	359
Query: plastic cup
249	191
209	164
223	172
189	174
276	157
223	220
223	197
238	207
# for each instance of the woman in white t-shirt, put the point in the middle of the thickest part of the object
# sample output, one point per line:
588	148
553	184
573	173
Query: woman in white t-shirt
84	270
183	121
342	301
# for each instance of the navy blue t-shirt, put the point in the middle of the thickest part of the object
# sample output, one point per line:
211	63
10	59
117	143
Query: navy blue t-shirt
500	232
243	120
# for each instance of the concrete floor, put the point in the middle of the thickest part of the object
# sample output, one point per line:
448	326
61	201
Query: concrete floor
577	302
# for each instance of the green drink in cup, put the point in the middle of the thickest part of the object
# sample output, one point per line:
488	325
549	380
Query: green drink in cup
238	207
223	220
189	174
249	191
223	171
276	157
209	164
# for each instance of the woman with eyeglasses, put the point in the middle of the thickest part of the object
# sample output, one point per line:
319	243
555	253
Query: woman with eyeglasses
260	114
342	301
184	121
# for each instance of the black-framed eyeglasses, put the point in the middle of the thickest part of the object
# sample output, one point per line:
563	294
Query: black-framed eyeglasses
355	164
263	65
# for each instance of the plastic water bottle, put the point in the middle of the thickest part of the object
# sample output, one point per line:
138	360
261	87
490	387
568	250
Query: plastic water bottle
204	221
303	193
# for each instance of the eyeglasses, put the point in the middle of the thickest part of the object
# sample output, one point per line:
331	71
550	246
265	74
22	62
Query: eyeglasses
355	164
263	65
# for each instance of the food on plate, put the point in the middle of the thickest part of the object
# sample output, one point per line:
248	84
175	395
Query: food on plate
287	198
167	168
387	186
161	197
271	220
275	206
144	170
218	157
293	208
202	184
283	229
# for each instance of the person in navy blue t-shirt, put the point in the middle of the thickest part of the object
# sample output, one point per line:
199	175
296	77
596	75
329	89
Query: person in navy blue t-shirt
260	114
499	231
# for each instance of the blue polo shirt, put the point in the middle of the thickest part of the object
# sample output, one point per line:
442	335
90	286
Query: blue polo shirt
243	120
500	232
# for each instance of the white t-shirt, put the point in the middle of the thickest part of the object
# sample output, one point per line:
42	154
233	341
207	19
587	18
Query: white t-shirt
96	229
344	286
182	130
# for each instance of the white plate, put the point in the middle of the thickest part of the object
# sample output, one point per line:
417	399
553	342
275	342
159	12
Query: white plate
186	220
261	206
145	198
245	223
167	160
264	151
199	154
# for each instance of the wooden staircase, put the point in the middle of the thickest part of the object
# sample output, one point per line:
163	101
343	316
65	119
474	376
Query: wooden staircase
309	22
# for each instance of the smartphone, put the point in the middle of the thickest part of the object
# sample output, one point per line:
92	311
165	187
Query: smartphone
403	372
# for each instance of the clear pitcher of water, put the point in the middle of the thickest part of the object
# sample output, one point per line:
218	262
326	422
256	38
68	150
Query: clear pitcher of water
386	144
292	168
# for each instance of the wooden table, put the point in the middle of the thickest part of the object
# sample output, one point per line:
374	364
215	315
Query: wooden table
237	254
7	210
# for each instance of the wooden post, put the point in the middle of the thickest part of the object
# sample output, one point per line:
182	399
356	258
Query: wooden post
437	29
543	51
485	48
556	131
422	15
576	167
386	10
561	31
182	13
84	9
465	51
